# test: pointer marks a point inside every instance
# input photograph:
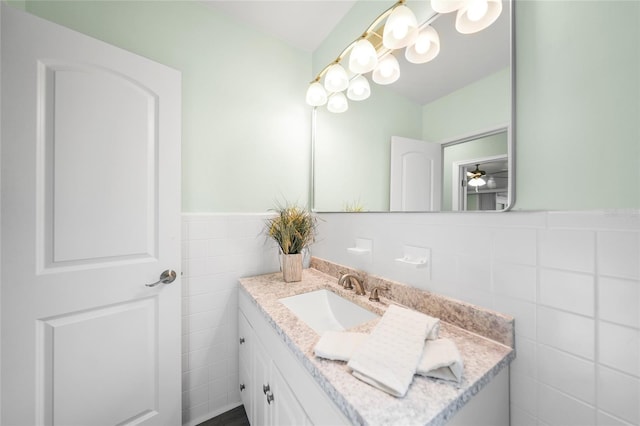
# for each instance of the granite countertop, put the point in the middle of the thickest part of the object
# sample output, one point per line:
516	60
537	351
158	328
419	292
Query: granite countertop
428	401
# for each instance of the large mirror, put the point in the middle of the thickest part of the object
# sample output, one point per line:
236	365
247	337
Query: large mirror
438	139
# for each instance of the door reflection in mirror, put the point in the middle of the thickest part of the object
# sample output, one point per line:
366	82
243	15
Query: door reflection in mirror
476	172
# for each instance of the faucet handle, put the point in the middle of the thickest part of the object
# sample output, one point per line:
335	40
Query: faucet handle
373	296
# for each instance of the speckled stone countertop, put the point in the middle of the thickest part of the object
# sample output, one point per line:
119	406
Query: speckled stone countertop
428	401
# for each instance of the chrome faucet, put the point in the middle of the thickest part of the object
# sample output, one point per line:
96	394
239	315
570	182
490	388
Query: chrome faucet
347	281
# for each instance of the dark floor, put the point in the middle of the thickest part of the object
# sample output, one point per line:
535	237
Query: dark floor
235	417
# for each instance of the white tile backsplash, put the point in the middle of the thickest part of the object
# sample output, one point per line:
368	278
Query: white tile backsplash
605	419
569	291
217	250
619	301
517	281
515	245
566	331
572	375
559	409
619	347
619	254
523	391
619	394
525	362
567	249
570	279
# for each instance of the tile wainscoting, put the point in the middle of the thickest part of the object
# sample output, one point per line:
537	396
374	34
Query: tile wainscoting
571	280
217	249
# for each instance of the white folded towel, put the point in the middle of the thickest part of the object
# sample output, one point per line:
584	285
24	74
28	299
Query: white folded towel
389	357
434	324
338	345
441	359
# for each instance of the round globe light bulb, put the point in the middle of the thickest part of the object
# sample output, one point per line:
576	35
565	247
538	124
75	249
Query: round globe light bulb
423	44
386	69
400	30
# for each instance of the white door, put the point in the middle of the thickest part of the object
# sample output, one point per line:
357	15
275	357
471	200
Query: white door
90	214
416	175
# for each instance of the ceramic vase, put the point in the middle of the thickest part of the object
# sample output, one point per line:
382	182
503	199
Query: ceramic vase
292	267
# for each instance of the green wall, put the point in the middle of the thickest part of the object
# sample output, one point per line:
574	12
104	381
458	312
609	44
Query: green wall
246	127
478	107
245	138
578	105
352	150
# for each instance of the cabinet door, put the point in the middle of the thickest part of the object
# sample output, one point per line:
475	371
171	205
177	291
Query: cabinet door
286	410
245	392
261	387
245	365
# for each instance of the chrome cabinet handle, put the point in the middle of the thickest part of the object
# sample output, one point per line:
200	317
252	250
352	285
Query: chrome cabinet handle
242	387
241	340
269	398
265	389
167	277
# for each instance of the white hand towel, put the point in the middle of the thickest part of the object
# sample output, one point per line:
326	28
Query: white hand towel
388	358
434	328
441	359
338	345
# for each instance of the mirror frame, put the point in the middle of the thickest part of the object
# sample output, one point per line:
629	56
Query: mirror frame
511	146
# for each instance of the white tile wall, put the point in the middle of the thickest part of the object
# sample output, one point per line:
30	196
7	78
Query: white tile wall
217	249
571	280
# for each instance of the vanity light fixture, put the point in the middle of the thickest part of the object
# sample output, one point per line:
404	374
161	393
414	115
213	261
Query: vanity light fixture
373	51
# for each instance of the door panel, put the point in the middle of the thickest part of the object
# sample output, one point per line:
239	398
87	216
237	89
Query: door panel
91	116
90	214
416	168
103	360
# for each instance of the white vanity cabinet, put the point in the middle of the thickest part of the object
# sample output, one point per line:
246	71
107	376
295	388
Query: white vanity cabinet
278	390
274	385
266	396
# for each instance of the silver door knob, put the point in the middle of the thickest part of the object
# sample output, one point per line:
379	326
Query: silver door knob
167	277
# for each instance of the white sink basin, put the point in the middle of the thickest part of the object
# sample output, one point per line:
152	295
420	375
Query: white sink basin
324	310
